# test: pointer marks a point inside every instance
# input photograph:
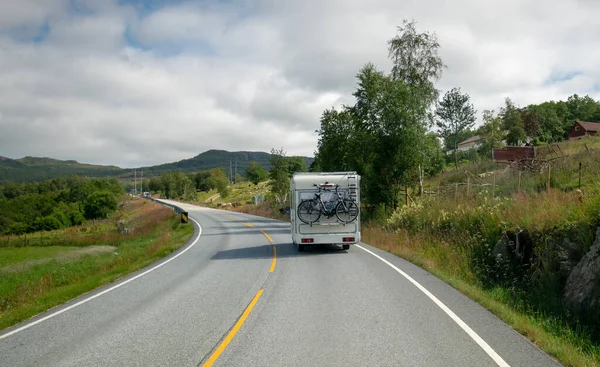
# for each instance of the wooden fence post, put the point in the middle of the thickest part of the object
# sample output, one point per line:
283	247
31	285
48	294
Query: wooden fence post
548	181
579	175
494	185
468	185
406	194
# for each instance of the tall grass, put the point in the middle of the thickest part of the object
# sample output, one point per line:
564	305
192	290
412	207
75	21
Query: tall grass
573	165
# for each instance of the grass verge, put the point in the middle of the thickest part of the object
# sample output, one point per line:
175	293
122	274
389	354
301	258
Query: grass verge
36	278
571	347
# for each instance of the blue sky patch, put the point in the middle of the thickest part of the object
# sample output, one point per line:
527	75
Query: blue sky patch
557	77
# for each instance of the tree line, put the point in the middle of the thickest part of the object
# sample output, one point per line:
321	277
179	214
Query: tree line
534	124
56	203
399	128
178	185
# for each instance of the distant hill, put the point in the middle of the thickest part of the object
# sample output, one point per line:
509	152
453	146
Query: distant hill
217	158
29	169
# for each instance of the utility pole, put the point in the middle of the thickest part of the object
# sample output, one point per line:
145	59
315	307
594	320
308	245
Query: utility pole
230	172
142	183
235	172
134	182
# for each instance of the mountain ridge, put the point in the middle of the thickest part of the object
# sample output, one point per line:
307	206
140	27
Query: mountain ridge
30	169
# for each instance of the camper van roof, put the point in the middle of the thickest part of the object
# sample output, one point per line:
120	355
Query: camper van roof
341	173
305	180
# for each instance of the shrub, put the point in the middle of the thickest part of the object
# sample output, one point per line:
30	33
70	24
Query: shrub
76	218
99	204
47	223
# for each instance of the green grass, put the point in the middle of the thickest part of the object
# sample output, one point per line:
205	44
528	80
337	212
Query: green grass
35	279
240	194
15	255
564	173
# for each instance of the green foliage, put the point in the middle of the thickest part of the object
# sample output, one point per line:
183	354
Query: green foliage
99	204
549	121
416	60
47	223
491	133
203	181
219	180
156	185
455	114
51	204
279	175
433	155
177	185
383	136
512	123
296	164
256	173
31	169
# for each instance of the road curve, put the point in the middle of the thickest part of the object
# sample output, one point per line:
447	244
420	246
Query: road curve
241	295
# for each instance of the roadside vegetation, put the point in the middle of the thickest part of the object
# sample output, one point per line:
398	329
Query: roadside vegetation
43	269
56	204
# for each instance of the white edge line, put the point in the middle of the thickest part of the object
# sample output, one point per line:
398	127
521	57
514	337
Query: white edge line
492	353
24	327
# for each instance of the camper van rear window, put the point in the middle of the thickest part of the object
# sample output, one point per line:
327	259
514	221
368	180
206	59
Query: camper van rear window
325	196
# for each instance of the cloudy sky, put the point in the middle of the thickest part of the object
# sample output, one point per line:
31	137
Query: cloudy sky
138	82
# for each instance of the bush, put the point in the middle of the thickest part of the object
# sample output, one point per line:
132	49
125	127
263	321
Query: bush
76	218
99	204
47	223
18	228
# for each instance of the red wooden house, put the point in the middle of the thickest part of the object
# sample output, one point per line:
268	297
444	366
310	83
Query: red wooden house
582	128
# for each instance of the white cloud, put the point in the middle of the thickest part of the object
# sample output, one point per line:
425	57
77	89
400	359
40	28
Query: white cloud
256	76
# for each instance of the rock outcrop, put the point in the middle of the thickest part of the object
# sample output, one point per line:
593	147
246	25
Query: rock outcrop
515	246
561	256
582	291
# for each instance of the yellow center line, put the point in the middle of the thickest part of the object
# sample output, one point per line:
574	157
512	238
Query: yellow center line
248	224
228	217
274	260
266	235
213	358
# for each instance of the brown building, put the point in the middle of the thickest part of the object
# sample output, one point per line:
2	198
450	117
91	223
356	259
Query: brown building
511	154
582	128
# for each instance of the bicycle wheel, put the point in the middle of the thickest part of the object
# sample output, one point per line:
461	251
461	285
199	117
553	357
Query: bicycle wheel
308	211
346	211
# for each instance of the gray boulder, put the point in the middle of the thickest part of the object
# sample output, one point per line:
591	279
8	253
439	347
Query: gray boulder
582	291
515	246
561	256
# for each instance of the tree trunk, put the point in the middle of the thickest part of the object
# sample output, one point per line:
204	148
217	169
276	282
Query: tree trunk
455	155
420	180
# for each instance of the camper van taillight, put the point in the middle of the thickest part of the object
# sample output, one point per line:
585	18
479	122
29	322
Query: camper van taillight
308	240
348	239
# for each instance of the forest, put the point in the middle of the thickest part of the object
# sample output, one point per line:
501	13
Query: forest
56	203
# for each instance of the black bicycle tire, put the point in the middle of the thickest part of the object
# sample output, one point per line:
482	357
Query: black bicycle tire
349	204
300	215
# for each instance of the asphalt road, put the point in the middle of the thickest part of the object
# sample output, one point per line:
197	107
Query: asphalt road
241	295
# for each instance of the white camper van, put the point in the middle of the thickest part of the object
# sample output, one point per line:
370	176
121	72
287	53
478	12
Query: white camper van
325	209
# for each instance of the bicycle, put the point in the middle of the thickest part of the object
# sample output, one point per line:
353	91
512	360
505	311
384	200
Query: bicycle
310	211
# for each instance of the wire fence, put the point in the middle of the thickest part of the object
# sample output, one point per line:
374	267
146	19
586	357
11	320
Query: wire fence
552	169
